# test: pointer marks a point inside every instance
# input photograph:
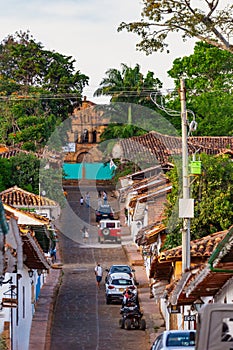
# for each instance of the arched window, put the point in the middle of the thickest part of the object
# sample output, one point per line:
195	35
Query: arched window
94	134
85	136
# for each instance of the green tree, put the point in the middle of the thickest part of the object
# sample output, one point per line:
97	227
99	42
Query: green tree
21	170
39	89
129	85
209	22
129	90
212	193
208	73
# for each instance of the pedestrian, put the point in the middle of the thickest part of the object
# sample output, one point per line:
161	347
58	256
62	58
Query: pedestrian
98	274
87	199
85	234
53	254
105	197
99	199
81	200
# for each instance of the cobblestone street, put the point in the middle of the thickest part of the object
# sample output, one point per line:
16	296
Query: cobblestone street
82	319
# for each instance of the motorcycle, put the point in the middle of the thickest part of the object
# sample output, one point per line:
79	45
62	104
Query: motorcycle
132	317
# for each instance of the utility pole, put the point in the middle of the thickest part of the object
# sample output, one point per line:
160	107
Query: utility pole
186	204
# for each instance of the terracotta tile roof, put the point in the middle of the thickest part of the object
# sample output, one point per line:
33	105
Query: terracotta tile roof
3	149
202	247
201	250
51	157
12	152
16	196
202	279
154	147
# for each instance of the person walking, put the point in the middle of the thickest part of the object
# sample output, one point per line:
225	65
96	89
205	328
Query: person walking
85	234
81	200
87	200
99	199
53	254
98	274
105	198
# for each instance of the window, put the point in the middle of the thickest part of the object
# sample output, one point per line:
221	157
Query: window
122	282
85	136
180	339
110	224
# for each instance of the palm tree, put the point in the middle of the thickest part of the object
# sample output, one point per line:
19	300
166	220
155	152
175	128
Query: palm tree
129	85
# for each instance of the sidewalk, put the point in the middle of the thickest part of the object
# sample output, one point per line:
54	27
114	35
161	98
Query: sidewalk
154	321
43	316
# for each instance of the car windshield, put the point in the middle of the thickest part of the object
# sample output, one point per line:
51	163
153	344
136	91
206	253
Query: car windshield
125	269
180	339
104	210
121	282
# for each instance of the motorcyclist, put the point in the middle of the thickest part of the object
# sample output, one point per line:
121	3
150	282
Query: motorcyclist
127	296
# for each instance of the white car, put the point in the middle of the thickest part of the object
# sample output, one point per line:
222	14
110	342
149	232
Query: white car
119	269
116	285
175	339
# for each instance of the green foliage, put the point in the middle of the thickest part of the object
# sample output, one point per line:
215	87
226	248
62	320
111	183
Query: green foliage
129	85
40	88
210	23
3	343
22	171
51	183
208	82
213	196
116	131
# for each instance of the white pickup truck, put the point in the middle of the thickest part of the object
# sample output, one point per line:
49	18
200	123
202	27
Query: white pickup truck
215	327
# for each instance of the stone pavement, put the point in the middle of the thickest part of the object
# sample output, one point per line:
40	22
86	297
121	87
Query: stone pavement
42	319
154	321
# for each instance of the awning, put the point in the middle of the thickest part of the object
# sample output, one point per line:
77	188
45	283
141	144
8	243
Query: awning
158	288
208	278
34	256
149	234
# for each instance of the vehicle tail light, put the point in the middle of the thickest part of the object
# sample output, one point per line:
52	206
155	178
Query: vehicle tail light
111	287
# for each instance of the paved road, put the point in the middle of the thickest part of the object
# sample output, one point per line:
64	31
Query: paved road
82	319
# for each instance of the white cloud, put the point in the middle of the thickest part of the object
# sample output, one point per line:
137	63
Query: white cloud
87	31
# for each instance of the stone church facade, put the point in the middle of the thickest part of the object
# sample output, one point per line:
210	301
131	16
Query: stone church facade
87	124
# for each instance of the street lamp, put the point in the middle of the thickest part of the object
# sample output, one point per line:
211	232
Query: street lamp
139	225
198	304
30	273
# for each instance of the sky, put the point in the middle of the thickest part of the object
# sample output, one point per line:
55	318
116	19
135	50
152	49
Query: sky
87	31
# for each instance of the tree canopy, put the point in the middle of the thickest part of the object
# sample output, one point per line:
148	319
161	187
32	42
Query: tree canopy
21	170
38	90
210	22
208	73
212	193
129	85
